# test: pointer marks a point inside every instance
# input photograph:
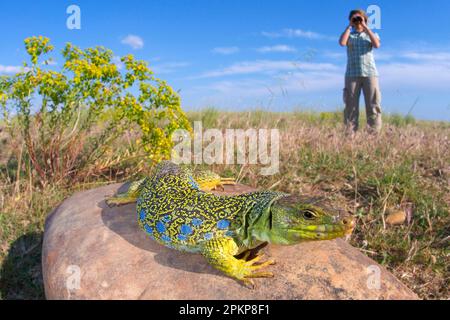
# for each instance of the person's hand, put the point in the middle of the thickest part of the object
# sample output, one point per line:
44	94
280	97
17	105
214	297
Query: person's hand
364	25
353	24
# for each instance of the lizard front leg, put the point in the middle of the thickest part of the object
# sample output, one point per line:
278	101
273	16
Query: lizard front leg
225	181
208	181
129	196
220	253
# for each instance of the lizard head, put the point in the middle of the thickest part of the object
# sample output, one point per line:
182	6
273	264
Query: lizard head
293	220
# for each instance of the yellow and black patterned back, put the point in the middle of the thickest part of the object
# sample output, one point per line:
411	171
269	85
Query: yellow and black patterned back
175	213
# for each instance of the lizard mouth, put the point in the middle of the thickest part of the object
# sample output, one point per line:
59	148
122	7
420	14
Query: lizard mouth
324	231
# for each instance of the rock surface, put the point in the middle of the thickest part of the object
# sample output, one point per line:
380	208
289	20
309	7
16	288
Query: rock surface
91	251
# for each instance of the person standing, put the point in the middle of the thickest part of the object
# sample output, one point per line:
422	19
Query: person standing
361	73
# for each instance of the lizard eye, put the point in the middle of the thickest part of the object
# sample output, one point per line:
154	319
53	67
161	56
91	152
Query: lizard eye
308	214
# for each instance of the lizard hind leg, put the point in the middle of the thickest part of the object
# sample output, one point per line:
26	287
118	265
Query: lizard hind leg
129	196
220	253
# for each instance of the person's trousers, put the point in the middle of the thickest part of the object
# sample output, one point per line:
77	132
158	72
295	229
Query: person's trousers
372	97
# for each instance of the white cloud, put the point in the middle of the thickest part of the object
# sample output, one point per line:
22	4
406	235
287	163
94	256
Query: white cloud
396	55
415	71
276	83
337	55
292	83
279	83
296	33
342	55
250	87
225	50
169	67
424	56
265	67
418	70
50	62
12	69
133	41
160	68
383	56
119	64
418	76
272	91
276	48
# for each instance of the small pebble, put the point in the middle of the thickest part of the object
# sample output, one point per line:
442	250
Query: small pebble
396	217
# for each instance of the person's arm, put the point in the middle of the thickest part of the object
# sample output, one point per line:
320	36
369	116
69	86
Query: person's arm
373	38
345	35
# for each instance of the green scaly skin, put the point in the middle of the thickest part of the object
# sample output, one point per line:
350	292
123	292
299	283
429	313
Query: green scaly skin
174	209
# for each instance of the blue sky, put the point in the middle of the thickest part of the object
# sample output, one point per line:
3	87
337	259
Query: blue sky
235	55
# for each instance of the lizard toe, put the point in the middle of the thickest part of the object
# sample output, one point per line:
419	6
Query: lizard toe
262	274
248	283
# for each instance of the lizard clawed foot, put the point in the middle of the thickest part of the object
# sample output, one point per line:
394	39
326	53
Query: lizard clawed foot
249	269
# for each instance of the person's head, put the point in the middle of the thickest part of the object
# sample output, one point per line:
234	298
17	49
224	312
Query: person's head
357	16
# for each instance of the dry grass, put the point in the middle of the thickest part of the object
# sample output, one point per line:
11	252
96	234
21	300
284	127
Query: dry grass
406	167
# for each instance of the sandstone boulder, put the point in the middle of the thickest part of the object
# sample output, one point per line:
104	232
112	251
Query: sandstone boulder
91	251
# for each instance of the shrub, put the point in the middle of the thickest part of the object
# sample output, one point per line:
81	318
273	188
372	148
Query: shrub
68	118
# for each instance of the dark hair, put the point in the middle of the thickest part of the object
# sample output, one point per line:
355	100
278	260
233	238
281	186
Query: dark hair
360	12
